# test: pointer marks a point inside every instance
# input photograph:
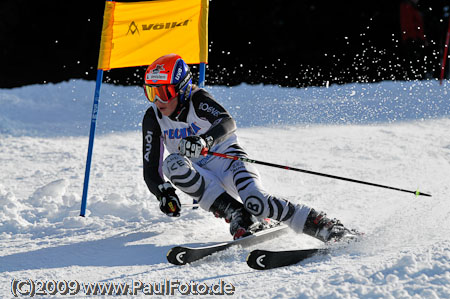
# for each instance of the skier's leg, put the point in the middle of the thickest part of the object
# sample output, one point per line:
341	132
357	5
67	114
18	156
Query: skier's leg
302	219
203	186
299	217
258	202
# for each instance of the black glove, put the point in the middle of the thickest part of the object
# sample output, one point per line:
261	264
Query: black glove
192	146
168	201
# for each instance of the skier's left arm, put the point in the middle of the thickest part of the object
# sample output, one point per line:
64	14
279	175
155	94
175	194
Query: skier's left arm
222	125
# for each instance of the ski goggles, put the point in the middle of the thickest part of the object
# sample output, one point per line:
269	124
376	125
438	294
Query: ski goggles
163	93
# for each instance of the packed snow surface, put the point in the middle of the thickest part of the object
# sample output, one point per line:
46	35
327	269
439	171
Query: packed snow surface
390	133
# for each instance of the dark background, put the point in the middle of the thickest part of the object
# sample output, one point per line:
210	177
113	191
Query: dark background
286	42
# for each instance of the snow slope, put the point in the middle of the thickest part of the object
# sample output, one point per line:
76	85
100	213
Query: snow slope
392	133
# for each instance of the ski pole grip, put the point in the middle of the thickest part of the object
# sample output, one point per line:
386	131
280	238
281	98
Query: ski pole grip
204	152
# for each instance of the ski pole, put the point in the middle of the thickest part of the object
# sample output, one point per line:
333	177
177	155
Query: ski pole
190	205
207	152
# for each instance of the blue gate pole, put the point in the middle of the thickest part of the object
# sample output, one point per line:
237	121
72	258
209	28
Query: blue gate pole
98	85
201	76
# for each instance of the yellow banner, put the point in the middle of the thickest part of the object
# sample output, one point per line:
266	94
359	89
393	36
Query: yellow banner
137	33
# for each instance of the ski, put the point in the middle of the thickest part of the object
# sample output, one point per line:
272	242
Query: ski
182	255
265	259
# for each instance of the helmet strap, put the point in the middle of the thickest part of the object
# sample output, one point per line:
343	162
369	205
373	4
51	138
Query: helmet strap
184	81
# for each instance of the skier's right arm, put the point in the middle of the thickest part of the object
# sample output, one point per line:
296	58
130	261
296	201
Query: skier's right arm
153	152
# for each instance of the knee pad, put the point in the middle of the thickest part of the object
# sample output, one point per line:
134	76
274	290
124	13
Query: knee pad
180	172
263	205
255	202
195	183
176	164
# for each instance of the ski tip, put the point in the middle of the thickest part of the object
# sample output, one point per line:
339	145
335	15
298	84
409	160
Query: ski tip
265	259
255	260
176	256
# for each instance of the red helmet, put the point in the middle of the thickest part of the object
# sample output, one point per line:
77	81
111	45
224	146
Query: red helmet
166	78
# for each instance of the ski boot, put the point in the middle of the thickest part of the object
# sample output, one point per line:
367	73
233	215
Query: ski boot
242	223
327	230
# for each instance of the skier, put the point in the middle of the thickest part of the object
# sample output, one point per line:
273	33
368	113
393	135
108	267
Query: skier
186	119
